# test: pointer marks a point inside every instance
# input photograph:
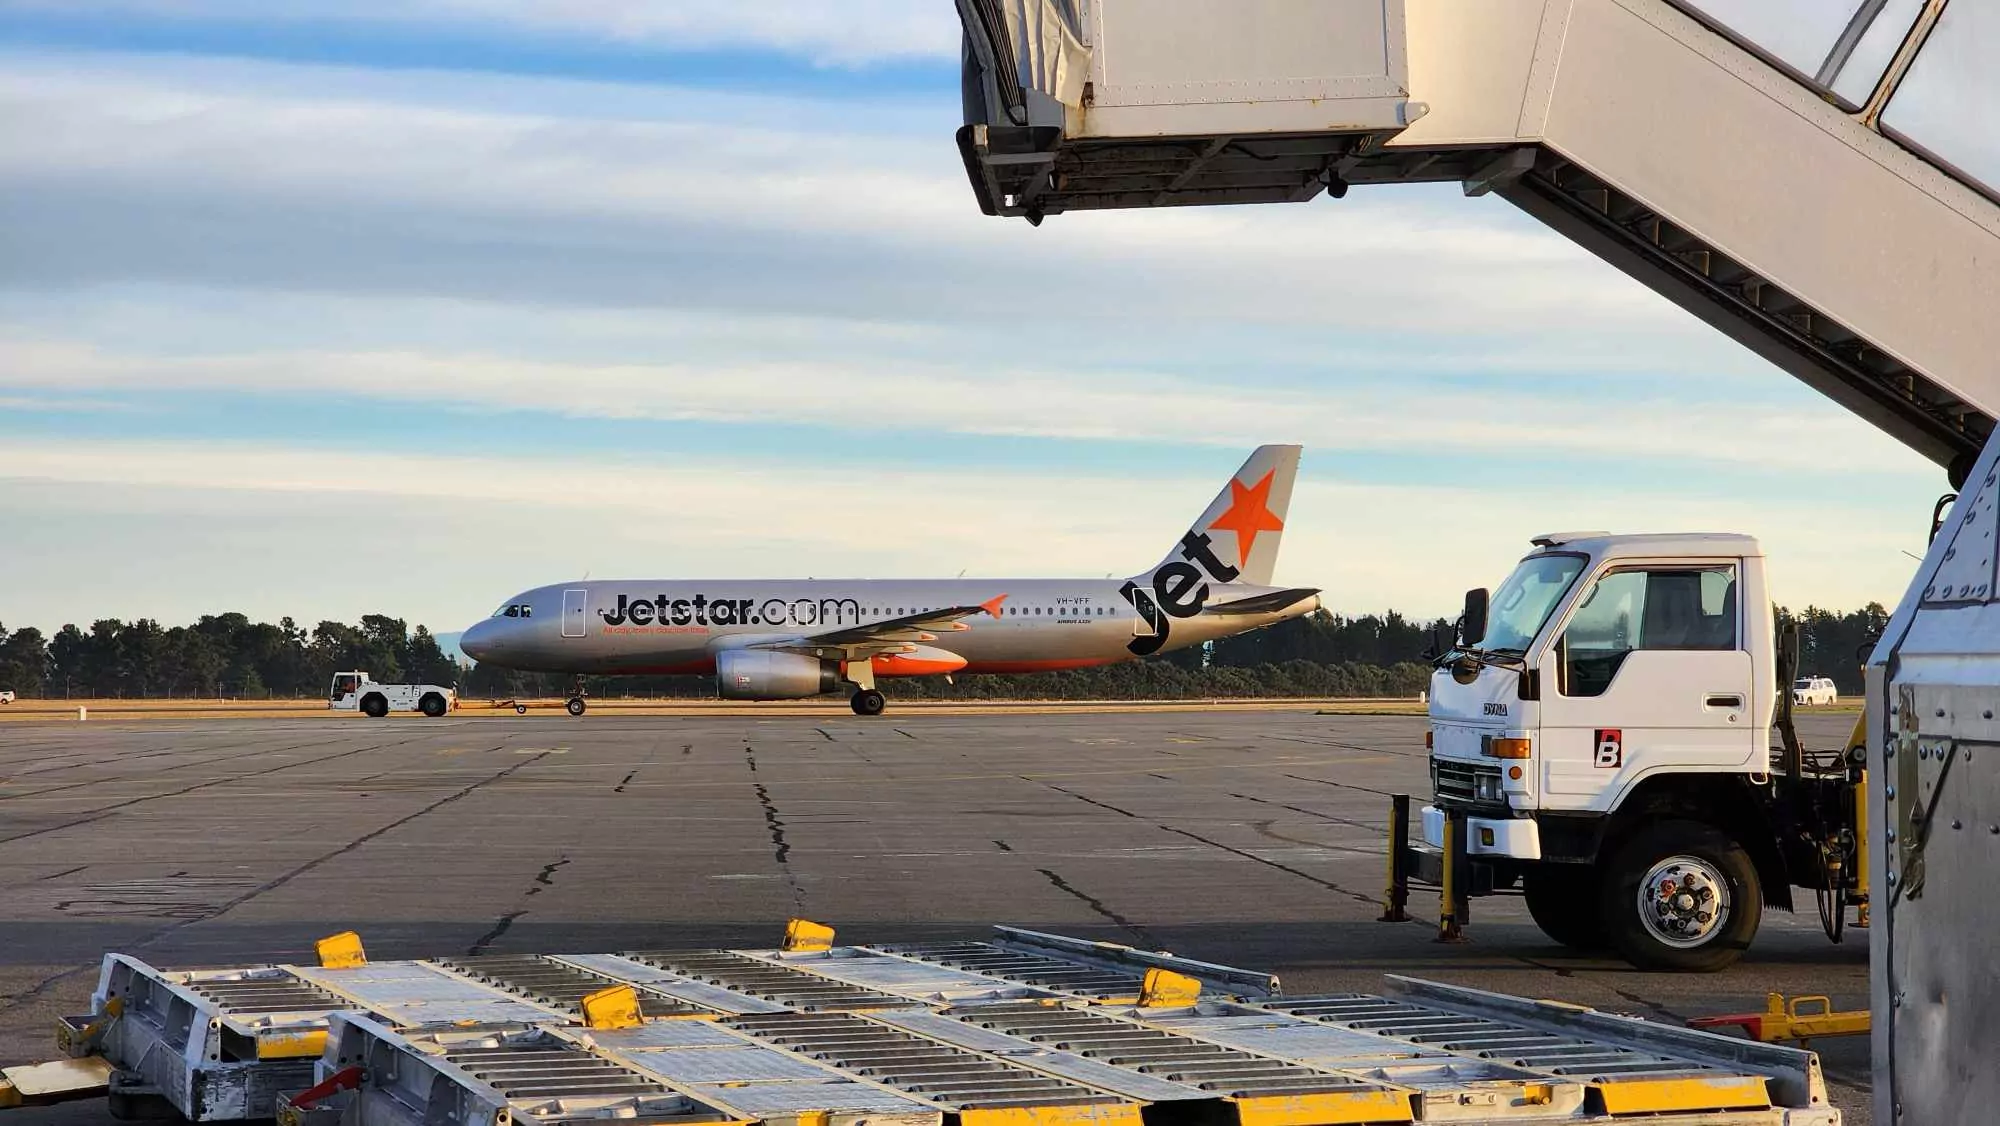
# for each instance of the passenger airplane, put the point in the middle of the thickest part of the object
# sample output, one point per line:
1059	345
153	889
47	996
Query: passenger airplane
789	639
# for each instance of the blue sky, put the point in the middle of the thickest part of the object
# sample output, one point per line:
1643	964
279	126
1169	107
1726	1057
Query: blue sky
355	306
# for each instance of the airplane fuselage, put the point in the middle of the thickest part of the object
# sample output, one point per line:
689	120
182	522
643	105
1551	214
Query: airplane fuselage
632	627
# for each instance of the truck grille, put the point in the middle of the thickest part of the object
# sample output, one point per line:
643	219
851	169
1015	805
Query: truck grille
1455	781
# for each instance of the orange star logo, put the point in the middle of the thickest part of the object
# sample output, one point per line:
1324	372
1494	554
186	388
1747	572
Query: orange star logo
1249	513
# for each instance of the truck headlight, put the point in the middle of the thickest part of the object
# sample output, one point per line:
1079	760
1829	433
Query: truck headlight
1486	787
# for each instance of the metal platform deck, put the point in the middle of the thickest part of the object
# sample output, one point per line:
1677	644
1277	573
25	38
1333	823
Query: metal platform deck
1021	1030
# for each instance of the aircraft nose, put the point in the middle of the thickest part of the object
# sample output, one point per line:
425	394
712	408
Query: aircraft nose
477	642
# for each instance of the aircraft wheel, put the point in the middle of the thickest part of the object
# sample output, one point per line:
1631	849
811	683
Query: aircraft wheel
868	702
575	705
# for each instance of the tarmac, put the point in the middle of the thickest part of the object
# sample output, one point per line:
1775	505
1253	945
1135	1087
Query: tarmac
1252	837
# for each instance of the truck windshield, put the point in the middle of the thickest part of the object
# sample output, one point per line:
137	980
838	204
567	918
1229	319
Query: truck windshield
1526	599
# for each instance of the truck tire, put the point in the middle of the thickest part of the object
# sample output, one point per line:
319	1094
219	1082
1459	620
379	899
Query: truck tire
374	705
432	705
1566	901
1681	896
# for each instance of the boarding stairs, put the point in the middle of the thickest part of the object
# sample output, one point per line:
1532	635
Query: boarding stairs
1821	182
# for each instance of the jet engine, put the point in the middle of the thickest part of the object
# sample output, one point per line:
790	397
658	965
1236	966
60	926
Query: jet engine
761	674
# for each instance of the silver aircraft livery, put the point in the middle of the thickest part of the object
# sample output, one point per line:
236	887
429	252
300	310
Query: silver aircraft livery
788	639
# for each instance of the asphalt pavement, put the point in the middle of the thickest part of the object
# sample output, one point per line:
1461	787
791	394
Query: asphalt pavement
1248	837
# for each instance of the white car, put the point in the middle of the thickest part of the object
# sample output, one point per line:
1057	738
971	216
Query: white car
6	697
1810	690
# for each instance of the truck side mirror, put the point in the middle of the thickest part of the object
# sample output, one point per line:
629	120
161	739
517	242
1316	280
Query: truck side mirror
1472	625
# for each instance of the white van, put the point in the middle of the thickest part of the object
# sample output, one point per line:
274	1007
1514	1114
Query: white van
1810	690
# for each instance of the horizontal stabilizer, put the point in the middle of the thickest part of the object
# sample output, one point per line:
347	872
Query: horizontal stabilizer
1264	603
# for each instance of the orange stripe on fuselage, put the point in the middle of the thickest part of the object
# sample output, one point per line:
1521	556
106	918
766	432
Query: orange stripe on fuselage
1056	665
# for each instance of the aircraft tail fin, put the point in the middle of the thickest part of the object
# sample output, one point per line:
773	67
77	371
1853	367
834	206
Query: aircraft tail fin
1236	539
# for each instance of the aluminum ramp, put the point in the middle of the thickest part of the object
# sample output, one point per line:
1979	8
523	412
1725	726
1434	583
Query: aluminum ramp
1818	181
1047	1031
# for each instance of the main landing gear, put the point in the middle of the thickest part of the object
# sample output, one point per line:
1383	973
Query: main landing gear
867	701
575	706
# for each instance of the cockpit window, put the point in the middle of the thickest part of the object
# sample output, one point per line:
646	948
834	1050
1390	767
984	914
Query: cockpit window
515	610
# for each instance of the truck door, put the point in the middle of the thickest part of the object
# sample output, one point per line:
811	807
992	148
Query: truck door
576	605
1651	671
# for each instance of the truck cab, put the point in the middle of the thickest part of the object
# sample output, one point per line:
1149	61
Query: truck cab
1601	730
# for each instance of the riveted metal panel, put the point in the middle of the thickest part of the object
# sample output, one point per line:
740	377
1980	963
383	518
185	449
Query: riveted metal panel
1934	745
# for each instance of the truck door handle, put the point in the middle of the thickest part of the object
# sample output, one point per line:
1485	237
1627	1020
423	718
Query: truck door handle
1725	701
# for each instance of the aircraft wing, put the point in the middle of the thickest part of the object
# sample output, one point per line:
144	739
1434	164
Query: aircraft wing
1263	603
876	637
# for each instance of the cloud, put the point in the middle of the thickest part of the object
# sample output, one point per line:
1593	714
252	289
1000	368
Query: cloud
151	178
848	33
845	394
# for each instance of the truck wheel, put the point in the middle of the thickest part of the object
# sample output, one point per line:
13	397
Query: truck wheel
374	705
1564	900
575	705
431	705
1681	896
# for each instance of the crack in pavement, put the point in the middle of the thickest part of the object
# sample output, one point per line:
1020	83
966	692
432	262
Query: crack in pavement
1350	746
149	776
626	781
1097	905
1348	821
1231	849
781	848
39	988
547	876
485	941
1341	785
123	759
102	812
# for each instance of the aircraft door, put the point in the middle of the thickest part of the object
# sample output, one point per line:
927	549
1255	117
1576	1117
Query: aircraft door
1146	621
576	604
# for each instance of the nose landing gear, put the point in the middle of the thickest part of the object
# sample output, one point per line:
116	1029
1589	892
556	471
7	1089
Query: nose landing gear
575	706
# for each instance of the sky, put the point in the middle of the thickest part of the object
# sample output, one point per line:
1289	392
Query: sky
341	306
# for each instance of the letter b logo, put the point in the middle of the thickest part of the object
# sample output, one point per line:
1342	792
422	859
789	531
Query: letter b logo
1610	748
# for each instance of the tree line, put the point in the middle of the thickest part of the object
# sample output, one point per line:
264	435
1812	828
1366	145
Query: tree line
219	655
228	655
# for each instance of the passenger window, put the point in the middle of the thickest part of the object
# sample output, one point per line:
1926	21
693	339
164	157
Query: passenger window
1645	608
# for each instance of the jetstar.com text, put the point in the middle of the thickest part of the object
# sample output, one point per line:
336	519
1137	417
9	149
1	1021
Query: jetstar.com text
701	610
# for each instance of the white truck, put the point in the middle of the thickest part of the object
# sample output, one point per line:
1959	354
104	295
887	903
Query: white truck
357	691
1600	737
